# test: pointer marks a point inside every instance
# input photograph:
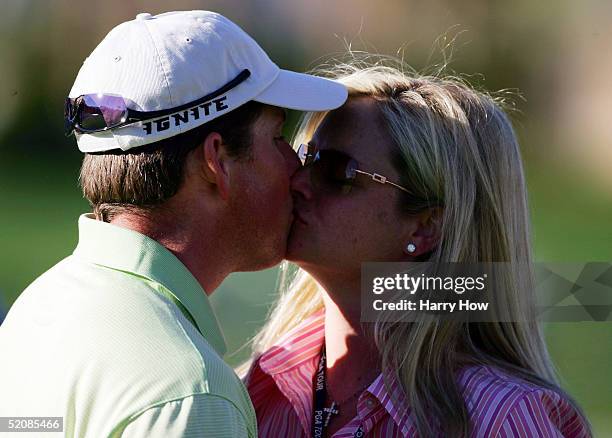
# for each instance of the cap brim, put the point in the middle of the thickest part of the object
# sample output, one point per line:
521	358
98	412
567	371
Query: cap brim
303	92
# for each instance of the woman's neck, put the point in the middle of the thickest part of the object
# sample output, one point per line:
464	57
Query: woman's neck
352	358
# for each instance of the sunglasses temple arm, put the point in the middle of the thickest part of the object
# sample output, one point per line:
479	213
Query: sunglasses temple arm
399	187
381	179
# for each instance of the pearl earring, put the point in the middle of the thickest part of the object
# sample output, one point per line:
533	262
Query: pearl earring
411	247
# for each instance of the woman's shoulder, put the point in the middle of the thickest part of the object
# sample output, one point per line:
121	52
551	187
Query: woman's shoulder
505	404
474	378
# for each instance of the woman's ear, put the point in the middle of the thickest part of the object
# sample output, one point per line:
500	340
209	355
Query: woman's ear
425	233
216	164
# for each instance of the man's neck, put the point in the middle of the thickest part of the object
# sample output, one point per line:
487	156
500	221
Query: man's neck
198	248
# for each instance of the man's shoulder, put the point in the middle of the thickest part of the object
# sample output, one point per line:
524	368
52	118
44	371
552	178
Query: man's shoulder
119	321
76	274
107	304
76	281
120	328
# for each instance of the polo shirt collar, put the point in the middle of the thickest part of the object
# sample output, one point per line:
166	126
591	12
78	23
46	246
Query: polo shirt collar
299	348
126	250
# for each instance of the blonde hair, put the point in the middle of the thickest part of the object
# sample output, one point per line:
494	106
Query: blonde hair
457	148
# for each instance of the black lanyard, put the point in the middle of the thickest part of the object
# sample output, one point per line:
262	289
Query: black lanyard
320	414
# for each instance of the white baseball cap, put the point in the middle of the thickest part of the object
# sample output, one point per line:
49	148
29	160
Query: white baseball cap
168	61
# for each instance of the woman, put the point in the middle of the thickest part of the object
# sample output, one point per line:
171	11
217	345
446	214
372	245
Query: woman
409	169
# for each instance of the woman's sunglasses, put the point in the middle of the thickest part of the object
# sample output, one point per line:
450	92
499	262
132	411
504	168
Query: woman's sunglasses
332	170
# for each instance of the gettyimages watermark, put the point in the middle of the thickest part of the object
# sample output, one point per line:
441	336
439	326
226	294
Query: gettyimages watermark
486	292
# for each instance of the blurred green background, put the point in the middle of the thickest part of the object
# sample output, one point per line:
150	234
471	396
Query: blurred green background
556	53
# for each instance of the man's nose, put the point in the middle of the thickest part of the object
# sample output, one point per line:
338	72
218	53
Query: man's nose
300	185
292	160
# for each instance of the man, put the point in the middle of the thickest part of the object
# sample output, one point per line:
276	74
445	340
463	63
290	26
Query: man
188	176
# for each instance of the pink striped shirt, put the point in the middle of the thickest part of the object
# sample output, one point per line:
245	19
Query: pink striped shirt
280	386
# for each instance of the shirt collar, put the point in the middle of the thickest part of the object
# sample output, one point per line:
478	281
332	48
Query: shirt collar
388	392
126	250
301	345
296	347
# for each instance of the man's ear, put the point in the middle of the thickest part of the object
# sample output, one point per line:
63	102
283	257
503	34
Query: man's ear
426	231
216	164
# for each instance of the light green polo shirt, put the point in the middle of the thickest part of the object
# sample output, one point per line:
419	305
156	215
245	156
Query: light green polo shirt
120	339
